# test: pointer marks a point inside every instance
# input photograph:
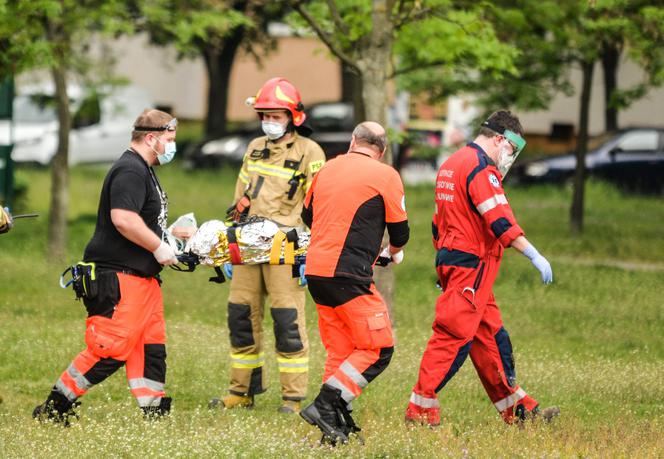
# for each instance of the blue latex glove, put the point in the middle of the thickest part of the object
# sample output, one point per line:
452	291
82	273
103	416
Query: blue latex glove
302	280
227	268
541	263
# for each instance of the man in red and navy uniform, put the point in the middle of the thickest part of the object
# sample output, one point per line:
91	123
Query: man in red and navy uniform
472	225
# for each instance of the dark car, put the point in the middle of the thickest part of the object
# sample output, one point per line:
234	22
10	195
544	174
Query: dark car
332	124
633	159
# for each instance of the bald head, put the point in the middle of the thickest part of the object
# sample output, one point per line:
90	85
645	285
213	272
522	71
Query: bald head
370	134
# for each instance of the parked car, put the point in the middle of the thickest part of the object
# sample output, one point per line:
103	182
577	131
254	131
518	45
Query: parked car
632	159
101	123
332	124
421	151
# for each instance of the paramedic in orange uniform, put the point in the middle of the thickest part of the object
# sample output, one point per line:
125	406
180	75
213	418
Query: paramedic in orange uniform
125	324
352	200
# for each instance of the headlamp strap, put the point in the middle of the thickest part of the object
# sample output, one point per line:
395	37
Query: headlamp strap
494	127
150	129
170	126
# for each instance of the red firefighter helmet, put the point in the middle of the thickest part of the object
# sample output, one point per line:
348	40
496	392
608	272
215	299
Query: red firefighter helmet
280	94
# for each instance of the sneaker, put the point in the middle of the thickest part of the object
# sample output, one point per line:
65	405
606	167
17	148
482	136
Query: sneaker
231	401
289	407
56	408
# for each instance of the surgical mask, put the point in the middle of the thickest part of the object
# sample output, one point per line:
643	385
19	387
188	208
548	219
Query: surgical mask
273	130
169	152
505	159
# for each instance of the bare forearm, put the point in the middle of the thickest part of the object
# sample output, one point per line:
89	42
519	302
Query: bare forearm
520	243
132	226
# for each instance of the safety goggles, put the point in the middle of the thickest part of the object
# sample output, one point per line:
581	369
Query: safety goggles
517	142
172	125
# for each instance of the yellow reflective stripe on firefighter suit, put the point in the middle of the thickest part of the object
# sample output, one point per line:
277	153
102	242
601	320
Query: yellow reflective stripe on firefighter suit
247	360
293	365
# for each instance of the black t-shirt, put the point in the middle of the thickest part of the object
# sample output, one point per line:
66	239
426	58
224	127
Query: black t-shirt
131	185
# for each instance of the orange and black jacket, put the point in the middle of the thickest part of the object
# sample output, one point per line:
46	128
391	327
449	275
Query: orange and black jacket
350	202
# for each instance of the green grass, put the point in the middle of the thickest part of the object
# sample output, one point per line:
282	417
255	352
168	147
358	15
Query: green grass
592	342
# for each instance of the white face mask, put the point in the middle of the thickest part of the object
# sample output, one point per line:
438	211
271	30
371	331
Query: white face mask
273	130
505	159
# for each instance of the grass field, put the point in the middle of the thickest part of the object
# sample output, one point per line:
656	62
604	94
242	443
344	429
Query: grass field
592	342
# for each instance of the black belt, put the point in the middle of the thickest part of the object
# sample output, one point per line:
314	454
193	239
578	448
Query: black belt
131	272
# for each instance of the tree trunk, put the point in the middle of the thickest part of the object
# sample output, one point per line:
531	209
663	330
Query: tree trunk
351	91
576	210
349	79
219	64
374	65
57	228
610	61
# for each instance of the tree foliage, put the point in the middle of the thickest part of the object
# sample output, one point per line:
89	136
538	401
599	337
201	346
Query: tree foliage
54	35
214	30
416	42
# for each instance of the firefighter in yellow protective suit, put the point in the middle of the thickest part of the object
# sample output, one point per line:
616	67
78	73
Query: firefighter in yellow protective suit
276	173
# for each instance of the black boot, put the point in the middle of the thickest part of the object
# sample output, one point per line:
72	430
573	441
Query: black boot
156	412
56	408
351	426
326	413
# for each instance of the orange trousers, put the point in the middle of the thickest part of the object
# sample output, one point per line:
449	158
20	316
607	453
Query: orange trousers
355	329
126	327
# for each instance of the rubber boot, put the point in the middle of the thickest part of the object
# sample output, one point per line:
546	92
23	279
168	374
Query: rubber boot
56	408
326	413
157	412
